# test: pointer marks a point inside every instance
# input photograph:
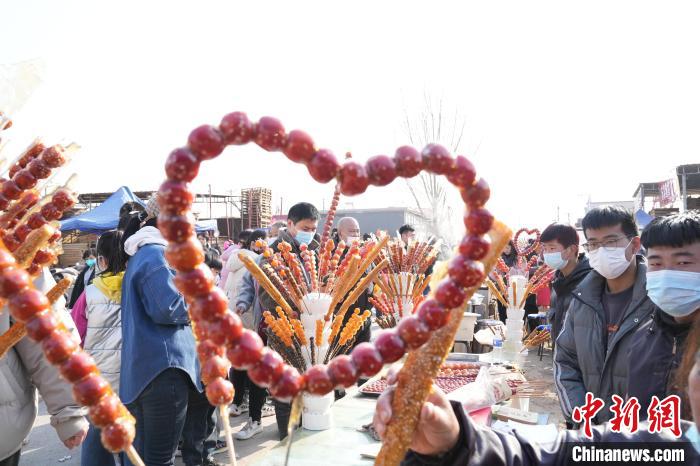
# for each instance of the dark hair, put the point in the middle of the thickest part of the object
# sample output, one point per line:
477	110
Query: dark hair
213	262
406	228
126	211
134	225
674	231
89	252
244	236
564	234
109	246
302	211
610	216
256	235
511	258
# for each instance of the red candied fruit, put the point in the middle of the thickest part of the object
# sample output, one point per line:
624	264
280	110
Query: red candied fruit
13	281
433	314
267	370
105	411
41	326
182	165
270	134
353	178
478	221
54	156
39	169
27	303
210	306
413	331
227	329
10	190
367	359
300	147
195	282
463	173
59	345
175	197
118	436
437	159
450	294
237	128
78	366
50	212
63	199
88	391
390	346
475	246
247	351
207	348
220	392
342	371
24	179
381	170
214	367
36	221
176	228
206	142
186	255
409	162
323	166
477	194
288	385
318	381
466	272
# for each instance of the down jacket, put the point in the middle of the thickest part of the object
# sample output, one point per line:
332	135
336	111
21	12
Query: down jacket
581	363
24	370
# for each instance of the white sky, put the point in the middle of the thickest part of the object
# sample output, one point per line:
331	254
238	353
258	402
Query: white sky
562	100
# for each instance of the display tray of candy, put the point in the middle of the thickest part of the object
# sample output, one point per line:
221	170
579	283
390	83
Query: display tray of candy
450	377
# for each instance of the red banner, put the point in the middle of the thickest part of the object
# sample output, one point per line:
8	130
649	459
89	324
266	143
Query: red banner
667	192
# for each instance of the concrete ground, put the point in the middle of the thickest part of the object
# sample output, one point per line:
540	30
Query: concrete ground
44	447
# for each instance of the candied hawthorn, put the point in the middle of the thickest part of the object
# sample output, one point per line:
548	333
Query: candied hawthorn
366	359
186	255
4	202
390	346
50	212
353	178
475	246
477	194
176	228
220	392
413	331
270	134
300	147
182	165
41	326
247	351
27	303
12	281
207	348
25	179
78	366
106	411
466	272
22	231
209	306
227	329
342	371
437	159
63	199
450	294
478	221
59	345
54	156
288	385
39	169
433	314
214	367
175	197
118	436
10	190
267	370
195	282
88	391
36	221
463	173
237	128
409	162
206	142
323	166
381	170
318	381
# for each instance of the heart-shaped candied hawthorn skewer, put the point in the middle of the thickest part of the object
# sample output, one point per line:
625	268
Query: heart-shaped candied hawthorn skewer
206	142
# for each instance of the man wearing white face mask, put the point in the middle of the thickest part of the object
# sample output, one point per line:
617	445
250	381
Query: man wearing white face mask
560	251
673	284
591	353
349	230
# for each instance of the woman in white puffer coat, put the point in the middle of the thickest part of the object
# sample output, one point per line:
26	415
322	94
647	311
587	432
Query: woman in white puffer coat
236	270
103	335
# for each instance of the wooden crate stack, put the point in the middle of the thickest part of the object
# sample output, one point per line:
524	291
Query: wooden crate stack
256	207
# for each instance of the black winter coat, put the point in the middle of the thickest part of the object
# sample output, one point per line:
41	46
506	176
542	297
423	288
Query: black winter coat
562	289
655	354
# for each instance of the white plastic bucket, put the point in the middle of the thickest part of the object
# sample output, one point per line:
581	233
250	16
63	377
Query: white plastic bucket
316	413
466	327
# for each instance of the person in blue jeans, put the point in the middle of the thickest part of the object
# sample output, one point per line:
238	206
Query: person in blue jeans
160	382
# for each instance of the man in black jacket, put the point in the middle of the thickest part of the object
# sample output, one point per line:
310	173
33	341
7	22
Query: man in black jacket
560	250
673	284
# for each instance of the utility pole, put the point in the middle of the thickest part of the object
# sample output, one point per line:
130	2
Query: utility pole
210	201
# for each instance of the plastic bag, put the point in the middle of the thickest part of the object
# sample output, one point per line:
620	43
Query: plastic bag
487	390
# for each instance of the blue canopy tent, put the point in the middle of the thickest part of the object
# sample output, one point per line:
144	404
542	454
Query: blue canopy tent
643	219
106	216
103	217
